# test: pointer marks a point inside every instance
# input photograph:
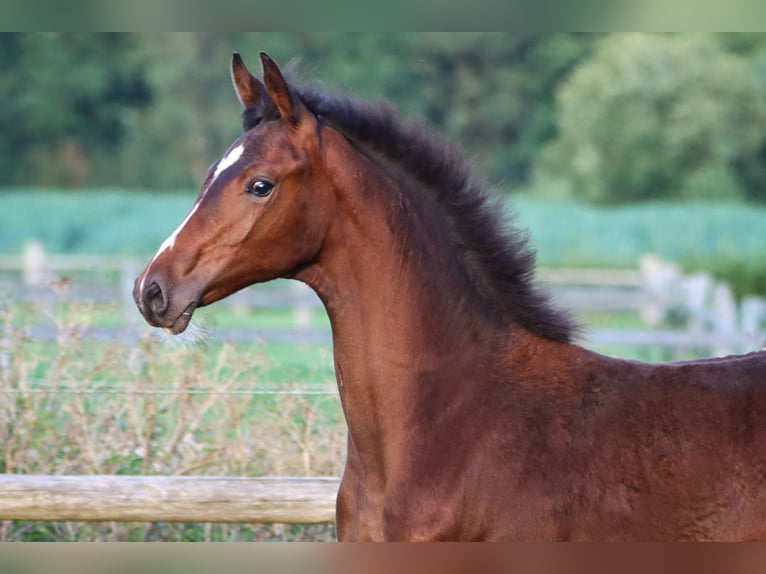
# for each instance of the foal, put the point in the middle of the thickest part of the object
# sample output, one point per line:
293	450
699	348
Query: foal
471	414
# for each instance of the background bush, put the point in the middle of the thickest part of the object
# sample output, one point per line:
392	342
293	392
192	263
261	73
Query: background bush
659	116
154	110
627	116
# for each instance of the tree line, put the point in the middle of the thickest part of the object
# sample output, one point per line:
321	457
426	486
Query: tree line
604	117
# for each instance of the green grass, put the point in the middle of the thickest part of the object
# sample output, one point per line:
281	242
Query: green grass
565	233
273	362
258	318
572	234
102	222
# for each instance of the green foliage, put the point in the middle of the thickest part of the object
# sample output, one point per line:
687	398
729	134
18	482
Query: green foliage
745	276
493	93
659	116
722	238
67	99
154	110
633	117
576	234
194	114
99	222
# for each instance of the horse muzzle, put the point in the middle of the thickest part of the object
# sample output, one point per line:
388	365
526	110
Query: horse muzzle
159	308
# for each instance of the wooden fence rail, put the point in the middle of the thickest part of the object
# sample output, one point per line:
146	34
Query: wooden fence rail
168	498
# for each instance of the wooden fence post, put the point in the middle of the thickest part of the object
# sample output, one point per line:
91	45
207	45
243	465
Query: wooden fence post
5	342
302	309
696	293
659	281
128	274
33	262
752	316
724	319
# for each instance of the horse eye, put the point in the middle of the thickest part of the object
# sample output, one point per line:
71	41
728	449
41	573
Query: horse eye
259	187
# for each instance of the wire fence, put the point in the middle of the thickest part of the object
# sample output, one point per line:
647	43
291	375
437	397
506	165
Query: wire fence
118	388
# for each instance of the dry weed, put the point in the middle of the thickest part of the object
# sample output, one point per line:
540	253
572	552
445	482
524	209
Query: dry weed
74	406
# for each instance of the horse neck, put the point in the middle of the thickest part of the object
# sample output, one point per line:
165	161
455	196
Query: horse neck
386	272
403	327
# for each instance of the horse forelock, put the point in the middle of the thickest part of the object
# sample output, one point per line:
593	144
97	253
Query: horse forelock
251	117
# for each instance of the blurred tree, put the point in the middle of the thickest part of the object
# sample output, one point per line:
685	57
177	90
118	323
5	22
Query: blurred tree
658	116
153	110
66	97
195	114
494	93
643	116
751	168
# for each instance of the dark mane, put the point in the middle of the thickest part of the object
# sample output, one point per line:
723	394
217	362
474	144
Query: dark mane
496	257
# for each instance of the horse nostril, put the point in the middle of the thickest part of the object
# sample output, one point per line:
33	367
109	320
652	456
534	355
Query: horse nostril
155	299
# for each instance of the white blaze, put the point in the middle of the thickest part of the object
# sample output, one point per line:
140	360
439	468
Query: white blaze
229	160
226	162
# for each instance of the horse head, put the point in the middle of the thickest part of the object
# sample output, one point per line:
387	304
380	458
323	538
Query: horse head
258	215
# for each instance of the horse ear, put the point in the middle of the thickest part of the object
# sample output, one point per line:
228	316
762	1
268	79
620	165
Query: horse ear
250	90
278	90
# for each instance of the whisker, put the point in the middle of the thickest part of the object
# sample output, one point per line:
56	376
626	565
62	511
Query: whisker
194	334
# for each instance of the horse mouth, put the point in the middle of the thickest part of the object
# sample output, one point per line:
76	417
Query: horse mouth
182	322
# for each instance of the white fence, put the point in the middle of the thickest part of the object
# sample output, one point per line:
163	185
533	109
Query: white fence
677	311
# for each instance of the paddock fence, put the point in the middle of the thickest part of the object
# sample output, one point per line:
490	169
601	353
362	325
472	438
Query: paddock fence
678	311
285	500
